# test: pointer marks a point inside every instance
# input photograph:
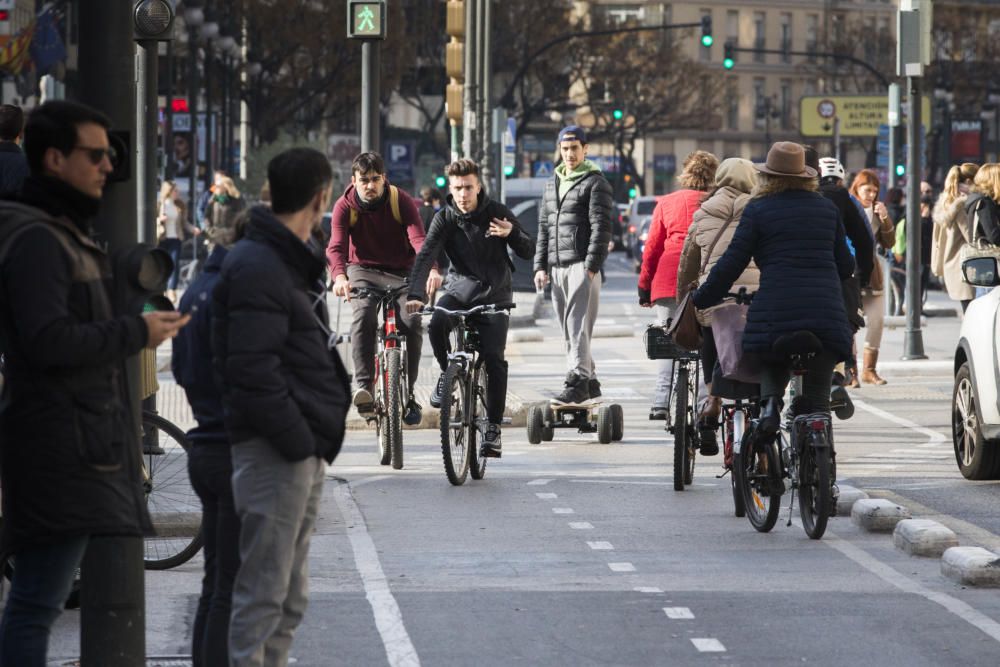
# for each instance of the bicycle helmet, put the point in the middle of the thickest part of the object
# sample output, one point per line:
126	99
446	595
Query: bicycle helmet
830	166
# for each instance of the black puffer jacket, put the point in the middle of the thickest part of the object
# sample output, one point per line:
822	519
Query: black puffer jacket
280	381
857	228
577	228
798	242
480	266
983	215
69	466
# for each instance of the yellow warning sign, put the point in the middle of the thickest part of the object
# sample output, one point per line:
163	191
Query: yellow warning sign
859	115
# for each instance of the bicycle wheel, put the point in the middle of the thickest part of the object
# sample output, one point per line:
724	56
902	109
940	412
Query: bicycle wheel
381	422
477	422
734	428
758	468
394	405
454	445
814	485
681	430
173	505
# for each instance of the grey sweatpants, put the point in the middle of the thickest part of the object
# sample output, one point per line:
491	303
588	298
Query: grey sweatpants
576	296
277	502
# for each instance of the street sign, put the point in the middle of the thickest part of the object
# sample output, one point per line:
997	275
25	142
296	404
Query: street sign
399	161
510	145
541	169
860	115
365	19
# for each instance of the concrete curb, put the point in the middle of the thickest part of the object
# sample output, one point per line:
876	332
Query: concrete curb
917	368
848	496
923	537
878	515
971	566
614	331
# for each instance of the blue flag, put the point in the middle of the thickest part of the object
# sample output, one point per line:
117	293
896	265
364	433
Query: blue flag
47	48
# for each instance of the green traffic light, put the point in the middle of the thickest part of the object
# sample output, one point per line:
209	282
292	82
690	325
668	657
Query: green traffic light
618	114
508	171
440	181
728	63
901	170
707	40
632	192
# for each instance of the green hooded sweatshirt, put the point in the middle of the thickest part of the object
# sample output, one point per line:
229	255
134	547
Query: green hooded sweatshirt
566	181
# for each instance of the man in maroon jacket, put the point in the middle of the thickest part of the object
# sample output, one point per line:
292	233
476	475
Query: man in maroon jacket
375	235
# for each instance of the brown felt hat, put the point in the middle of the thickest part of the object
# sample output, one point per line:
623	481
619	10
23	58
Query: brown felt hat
786	158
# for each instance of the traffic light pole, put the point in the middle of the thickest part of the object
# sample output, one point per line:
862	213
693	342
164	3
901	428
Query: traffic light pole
371	57
913	341
147	122
112	618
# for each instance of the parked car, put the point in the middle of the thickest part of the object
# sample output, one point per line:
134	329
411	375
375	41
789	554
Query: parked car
640	243
639	211
975	405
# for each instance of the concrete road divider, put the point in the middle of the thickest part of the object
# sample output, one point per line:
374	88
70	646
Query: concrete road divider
848	496
878	515
971	566
923	537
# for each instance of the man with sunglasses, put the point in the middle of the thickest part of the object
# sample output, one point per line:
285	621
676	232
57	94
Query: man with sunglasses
69	469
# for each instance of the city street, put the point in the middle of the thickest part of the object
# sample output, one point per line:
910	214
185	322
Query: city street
576	553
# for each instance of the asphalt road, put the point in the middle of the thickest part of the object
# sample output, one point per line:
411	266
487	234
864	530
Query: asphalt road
576	553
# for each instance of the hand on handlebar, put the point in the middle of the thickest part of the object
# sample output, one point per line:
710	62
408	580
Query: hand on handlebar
413	306
342	287
433	282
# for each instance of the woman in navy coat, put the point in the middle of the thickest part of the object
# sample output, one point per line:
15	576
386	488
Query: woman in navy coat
797	239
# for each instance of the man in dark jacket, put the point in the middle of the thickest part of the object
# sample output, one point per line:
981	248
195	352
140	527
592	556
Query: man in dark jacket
210	466
375	233
476	232
574	229
286	396
69	461
13	164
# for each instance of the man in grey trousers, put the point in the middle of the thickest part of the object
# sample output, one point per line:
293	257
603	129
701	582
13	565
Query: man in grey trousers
574	230
286	396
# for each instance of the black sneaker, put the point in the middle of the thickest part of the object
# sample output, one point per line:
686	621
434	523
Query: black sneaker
841	403
594	387
657	413
576	390
438	392
708	438
412	415
491	442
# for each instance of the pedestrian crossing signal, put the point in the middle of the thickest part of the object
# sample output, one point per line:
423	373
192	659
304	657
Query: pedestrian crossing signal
440	181
900	170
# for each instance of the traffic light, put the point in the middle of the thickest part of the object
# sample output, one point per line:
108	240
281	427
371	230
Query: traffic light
455	61
440	181
617	114
632	192
900	170
508	171
706	31
140	276
153	20
728	56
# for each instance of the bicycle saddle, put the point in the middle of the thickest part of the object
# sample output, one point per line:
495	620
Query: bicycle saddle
797	343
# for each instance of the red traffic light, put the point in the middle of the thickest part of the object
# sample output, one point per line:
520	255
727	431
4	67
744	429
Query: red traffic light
179	105
4	14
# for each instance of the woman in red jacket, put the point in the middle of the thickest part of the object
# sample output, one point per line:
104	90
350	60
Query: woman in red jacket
667	231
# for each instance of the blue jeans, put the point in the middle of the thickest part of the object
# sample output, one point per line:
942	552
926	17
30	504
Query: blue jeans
43	579
210	468
173	248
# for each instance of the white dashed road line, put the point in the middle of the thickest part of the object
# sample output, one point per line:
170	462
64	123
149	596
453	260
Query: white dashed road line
678	613
562	510
708	645
539	482
648	589
546	496
581	525
621	567
600	546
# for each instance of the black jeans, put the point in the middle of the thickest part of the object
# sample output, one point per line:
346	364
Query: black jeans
774	378
492	341
211	469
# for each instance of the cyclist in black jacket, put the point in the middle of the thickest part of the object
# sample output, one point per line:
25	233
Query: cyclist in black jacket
476	232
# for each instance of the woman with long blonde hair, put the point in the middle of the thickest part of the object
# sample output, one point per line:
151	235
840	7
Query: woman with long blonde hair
866	188
951	232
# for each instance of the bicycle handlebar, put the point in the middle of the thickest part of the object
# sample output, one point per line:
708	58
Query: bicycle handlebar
379	292
742	296
484	309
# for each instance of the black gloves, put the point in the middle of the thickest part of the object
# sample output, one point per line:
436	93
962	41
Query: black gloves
644	297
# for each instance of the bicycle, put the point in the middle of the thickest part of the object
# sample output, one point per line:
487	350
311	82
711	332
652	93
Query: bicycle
683	423
740	406
463	401
797	457
391	390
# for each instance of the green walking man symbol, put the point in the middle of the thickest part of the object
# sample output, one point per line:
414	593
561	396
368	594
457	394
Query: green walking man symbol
366	19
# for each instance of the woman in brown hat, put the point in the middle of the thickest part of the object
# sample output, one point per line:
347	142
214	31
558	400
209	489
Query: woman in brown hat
797	240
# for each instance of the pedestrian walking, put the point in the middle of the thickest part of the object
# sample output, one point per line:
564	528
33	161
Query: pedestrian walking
13	163
866	188
574	229
209	462
658	274
712	228
375	235
172	228
898	258
69	461
951	232
285	398
477	233
225	203
983	211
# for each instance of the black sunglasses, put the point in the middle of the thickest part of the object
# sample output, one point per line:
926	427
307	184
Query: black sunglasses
96	155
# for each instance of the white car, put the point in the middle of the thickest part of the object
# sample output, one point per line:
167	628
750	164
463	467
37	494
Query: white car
975	405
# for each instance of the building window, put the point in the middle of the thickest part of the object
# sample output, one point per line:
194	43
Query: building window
622	14
812	35
759	35
732	105
759	103
786	103
786	37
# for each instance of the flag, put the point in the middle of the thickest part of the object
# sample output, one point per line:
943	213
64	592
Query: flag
47	48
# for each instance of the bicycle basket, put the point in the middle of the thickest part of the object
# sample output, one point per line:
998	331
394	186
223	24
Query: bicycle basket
659	345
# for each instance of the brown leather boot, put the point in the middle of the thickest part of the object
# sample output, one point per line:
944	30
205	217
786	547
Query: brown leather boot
868	374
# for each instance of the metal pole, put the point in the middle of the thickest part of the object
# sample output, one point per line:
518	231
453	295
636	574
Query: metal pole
486	100
145	140
209	135
370	94
836	137
244	106
112	617
913	342
193	127
168	128
893	150
471	76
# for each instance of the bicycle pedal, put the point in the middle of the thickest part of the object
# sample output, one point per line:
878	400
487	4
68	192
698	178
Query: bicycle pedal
153	450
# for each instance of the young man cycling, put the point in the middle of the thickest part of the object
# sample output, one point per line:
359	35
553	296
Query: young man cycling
375	234
476	232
